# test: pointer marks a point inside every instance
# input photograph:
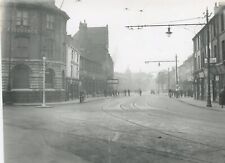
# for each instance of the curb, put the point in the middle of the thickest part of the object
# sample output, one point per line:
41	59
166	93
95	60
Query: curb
197	106
60	103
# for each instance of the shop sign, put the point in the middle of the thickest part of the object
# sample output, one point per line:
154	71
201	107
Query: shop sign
201	75
217	77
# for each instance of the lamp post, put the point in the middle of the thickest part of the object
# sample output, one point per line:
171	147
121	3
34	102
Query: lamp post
168	79
43	96
9	86
209	104
176	73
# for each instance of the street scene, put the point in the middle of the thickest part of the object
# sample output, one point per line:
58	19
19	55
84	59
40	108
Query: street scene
96	81
146	128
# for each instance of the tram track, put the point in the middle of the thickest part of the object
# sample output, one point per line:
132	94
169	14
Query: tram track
126	108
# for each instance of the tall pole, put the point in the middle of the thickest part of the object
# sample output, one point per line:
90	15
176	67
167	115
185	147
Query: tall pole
43	100
209	104
168	79
176	73
10	53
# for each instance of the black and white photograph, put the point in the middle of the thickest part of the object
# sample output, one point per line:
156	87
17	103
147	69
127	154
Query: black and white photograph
112	81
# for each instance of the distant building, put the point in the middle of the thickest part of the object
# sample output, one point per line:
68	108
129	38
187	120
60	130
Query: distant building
185	76
32	29
72	69
217	56
96	64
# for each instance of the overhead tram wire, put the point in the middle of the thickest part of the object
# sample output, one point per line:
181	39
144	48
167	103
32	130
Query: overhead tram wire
61	4
167	23
180	20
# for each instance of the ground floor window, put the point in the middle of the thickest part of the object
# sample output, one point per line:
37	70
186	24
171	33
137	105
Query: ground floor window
49	78
20	76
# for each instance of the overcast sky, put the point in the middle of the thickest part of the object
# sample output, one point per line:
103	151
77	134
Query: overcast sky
130	48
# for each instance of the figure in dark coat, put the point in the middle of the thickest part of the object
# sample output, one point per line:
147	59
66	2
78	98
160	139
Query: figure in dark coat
222	97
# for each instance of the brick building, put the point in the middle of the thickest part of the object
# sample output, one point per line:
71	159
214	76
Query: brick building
217	56
33	29
96	64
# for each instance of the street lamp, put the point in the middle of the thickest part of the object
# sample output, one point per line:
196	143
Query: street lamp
190	24
209	104
43	82
169	32
43	105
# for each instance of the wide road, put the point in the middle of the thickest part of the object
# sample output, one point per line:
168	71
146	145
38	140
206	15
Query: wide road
136	129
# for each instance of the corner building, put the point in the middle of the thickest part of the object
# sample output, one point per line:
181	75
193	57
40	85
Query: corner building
31	30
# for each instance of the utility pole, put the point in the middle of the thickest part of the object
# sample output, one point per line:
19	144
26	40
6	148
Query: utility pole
209	104
176	73
43	97
9	86
168	79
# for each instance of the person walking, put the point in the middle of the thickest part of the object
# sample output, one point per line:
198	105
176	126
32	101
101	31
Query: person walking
222	97
128	91
140	92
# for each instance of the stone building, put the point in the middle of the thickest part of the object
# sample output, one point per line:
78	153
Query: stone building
217	56
96	64
32	29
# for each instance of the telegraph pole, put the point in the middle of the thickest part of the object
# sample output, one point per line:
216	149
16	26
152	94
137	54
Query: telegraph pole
209	104
43	97
168	79
176	73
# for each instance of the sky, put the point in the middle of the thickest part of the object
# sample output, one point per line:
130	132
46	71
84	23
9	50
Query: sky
131	48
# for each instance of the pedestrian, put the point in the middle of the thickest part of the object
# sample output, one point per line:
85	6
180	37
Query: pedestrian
128	91
125	92
222	97
140	92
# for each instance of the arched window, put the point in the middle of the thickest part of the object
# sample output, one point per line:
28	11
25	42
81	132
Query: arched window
49	78
20	76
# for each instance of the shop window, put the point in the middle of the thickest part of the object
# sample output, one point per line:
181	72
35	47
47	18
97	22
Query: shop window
20	77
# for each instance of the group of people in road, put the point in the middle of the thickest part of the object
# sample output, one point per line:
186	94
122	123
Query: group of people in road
126	92
180	93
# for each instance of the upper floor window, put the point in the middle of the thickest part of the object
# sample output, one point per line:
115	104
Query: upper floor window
49	48
22	18
49	21
72	53
22	45
214	28
222	21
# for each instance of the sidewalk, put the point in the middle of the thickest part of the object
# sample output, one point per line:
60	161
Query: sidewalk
200	103
75	101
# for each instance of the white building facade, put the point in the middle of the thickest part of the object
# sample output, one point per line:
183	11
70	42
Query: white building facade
72	69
